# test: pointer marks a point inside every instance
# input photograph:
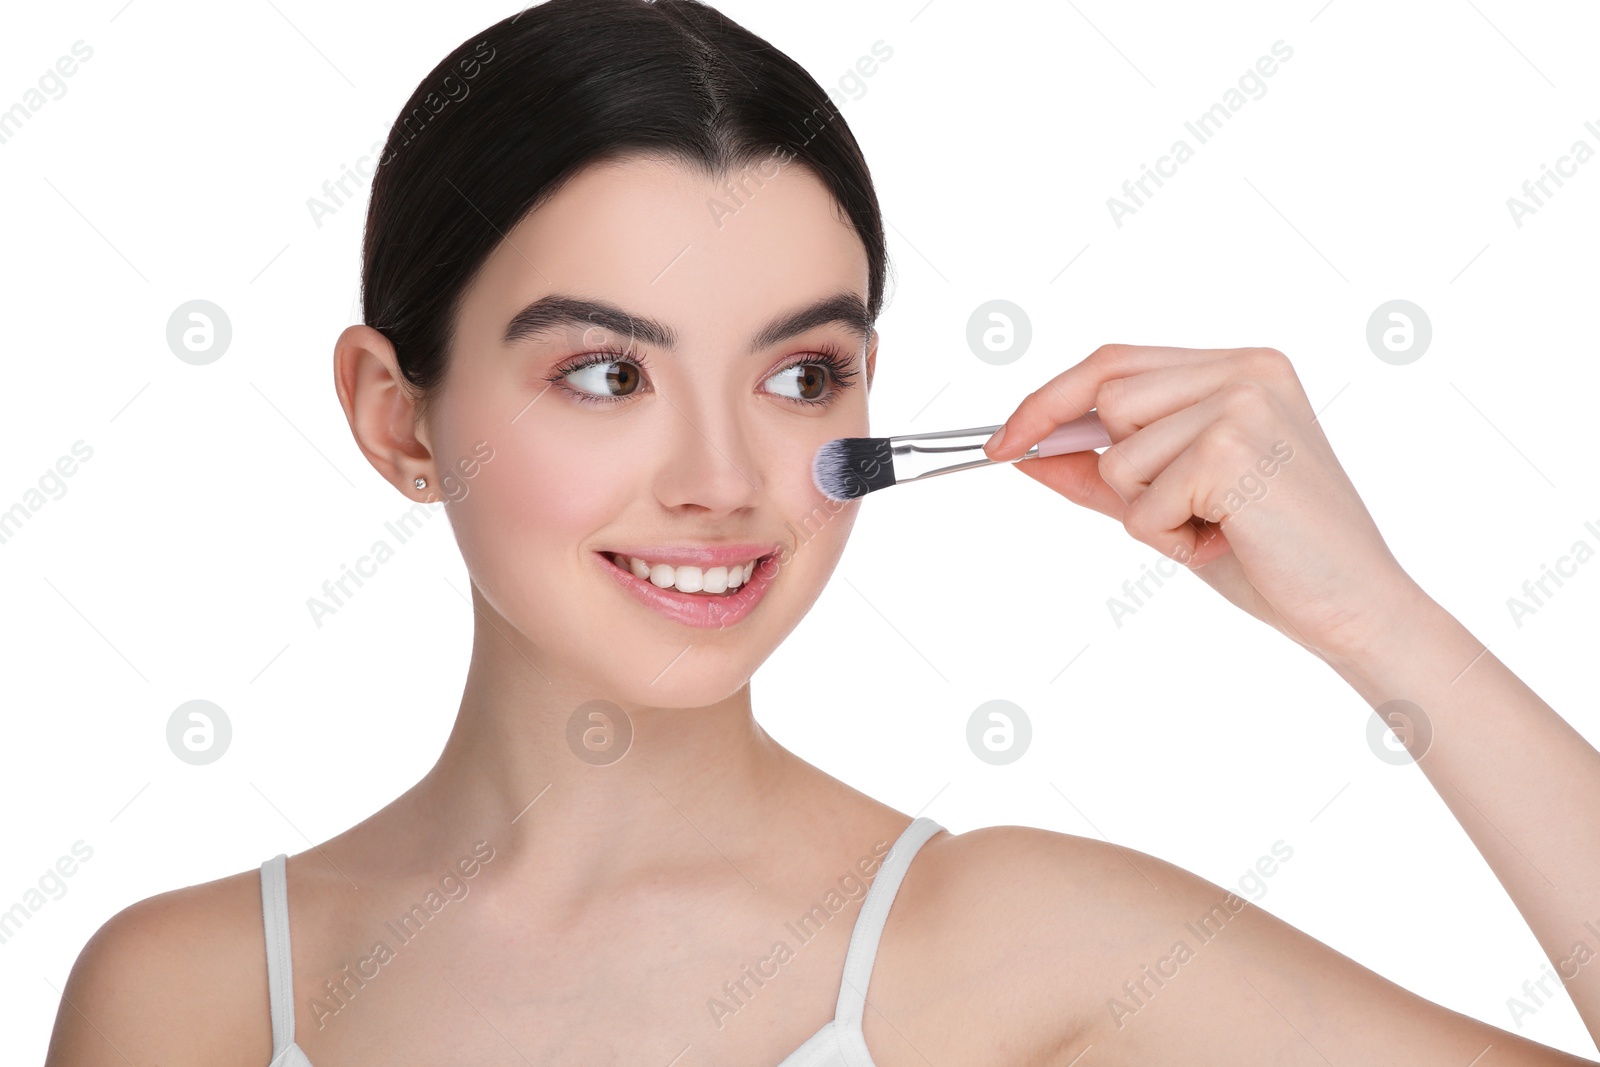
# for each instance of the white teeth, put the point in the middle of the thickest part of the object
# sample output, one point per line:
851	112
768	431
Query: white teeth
712	580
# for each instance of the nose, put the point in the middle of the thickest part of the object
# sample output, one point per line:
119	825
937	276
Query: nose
707	461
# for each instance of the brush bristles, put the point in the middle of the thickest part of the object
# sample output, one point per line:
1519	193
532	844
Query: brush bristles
850	467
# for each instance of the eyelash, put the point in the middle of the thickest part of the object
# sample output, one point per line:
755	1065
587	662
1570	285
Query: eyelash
826	354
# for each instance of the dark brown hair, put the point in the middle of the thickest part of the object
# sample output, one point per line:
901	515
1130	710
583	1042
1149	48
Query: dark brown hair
515	111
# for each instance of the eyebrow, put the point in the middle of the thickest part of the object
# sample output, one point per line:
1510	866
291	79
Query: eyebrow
558	310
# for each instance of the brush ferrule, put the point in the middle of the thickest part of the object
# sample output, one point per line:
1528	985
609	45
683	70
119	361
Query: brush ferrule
923	455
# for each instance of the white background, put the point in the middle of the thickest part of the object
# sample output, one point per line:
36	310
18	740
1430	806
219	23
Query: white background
1377	165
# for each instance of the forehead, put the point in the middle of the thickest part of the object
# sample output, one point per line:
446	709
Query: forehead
714	257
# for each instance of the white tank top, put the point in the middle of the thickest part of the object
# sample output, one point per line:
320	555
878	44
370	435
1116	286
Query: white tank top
839	1043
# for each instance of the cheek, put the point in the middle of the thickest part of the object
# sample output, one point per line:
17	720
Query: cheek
529	510
817	526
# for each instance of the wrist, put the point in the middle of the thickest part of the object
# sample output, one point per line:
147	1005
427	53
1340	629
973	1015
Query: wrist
1404	624
1416	638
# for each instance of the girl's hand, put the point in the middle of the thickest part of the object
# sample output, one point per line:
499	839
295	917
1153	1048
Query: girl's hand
1216	460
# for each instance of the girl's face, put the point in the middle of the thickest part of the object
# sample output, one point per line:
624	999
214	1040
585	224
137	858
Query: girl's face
645	367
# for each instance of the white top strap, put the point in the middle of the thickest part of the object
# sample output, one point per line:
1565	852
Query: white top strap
869	924
280	979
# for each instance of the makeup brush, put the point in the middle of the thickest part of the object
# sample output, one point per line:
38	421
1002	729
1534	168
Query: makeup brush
850	467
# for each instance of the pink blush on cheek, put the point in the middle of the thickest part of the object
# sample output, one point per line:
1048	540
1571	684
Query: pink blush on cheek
559	496
531	507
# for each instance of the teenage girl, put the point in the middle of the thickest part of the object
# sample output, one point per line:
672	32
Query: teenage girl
622	266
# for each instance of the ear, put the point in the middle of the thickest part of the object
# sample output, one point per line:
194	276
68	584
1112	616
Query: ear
381	407
872	357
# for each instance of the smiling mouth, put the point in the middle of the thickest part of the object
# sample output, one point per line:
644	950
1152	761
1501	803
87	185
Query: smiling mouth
708	582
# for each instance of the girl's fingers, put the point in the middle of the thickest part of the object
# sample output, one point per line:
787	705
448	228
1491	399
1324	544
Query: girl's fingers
1070	394
1177	417
1164	523
1130	465
1129	404
1166	515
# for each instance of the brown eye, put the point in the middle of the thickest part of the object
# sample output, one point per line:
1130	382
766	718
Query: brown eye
605	377
810	379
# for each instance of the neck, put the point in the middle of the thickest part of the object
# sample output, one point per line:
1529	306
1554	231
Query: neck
575	791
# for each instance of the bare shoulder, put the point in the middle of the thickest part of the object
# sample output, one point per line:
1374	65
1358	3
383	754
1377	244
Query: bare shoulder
1002	919
1105	955
177	978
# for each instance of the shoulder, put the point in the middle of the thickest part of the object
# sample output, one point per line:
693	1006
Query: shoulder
1047	881
1041	924
176	978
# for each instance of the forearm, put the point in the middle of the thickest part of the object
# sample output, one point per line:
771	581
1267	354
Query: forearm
1522	782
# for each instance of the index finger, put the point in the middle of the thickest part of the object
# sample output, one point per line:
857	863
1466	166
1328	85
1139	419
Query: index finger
1070	394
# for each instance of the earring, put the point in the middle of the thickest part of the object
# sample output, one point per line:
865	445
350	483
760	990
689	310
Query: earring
420	483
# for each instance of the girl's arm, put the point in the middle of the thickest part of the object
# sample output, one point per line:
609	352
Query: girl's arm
1116	958
1521	781
1217	460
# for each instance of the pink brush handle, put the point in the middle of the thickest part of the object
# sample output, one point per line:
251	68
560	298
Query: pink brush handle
1075	436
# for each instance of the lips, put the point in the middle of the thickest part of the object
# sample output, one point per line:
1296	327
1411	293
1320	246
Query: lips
699	610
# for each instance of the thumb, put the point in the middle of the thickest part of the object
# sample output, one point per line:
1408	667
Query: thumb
1076	476
1205	542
